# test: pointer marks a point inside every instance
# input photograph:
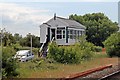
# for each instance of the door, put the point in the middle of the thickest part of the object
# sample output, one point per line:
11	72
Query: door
48	35
52	33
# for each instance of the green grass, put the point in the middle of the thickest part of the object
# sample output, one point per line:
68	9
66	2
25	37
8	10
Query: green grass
100	55
58	70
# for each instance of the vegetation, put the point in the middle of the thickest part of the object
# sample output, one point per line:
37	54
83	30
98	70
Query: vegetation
71	54
98	27
9	65
18	40
26	41
64	59
112	45
60	70
11	44
97	48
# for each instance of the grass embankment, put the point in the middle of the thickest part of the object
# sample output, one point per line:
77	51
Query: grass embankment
57	70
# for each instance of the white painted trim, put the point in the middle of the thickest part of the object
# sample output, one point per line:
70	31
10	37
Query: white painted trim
76	29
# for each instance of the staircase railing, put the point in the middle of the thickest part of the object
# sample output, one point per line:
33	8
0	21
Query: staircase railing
42	45
51	42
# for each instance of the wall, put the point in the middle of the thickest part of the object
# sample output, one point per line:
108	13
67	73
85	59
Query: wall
43	33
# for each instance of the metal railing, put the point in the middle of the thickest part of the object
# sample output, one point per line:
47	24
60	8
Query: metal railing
51	42
42	45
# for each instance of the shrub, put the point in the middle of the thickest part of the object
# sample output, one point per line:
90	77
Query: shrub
35	51
98	49
9	64
17	46
71	54
112	45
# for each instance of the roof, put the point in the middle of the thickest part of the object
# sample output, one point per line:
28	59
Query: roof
22	52
66	22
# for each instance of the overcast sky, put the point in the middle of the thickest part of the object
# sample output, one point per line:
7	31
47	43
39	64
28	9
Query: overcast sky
23	17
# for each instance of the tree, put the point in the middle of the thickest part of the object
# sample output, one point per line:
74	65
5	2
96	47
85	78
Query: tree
8	39
98	27
26	41
112	45
17	37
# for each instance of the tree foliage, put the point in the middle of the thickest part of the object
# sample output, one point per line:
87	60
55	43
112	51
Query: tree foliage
26	41
98	26
112	45
8	39
17	37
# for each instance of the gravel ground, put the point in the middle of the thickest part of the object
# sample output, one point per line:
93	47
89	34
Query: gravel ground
103	73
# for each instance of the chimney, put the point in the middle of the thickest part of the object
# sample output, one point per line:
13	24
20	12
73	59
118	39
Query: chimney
54	16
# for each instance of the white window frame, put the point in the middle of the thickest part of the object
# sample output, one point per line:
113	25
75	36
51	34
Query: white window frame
61	34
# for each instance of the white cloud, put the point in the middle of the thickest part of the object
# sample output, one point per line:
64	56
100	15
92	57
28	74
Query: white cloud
19	13
14	15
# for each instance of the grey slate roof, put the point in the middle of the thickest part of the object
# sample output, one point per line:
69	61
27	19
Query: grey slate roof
63	21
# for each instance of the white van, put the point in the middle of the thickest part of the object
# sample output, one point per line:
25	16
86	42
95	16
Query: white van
24	55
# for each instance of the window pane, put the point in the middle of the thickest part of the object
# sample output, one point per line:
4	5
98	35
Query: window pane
63	32
63	36
71	31
75	32
71	36
59	36
68	32
74	36
78	33
59	31
68	36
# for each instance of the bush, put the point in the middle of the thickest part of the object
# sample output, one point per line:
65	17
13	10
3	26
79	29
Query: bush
71	54
98	49
9	64
17	46
112	45
35	51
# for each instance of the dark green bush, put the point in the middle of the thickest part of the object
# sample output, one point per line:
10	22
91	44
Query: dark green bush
71	54
112	45
9	65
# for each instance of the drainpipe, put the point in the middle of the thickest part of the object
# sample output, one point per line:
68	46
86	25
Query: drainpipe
55	16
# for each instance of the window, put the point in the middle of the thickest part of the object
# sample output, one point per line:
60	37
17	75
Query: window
60	33
59	36
78	33
70	34
81	33
75	35
63	33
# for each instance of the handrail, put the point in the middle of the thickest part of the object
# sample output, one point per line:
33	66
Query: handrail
51	42
42	45
52	39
